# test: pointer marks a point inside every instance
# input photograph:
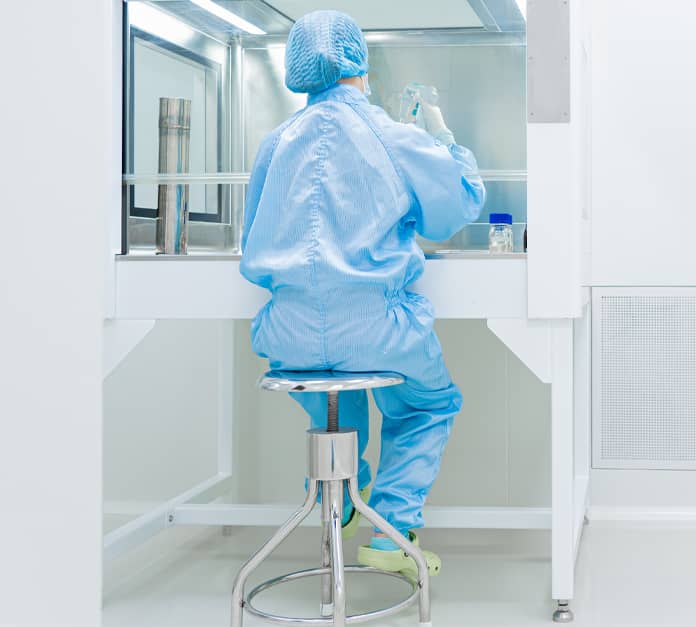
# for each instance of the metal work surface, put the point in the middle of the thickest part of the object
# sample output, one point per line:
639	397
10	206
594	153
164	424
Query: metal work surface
214	256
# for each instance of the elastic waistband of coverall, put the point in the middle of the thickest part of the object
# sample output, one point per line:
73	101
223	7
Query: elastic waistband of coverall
368	298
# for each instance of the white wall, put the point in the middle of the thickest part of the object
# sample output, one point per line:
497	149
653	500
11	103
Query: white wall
160	415
663	495
55	106
112	195
499	452
643	138
643	133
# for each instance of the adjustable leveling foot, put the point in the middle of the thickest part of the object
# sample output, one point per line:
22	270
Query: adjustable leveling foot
563	613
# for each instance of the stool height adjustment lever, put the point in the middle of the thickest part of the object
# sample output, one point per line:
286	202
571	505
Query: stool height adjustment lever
332	418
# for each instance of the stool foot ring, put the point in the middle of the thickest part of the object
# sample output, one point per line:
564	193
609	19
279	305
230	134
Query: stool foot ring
350	620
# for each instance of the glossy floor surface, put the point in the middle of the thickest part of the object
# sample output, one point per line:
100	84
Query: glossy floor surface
627	576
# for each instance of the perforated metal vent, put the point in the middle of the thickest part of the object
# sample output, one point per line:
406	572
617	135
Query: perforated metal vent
644	378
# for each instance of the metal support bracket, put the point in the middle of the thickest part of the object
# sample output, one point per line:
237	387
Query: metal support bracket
120	338
529	340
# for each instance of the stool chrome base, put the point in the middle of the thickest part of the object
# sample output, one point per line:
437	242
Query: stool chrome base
328	618
333	461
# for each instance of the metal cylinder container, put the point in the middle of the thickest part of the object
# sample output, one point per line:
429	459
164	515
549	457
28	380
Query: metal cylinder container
173	199
333	456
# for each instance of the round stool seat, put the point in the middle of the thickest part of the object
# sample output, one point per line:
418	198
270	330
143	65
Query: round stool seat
326	380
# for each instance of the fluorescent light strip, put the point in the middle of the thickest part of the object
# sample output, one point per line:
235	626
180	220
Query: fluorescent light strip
228	16
156	22
522	5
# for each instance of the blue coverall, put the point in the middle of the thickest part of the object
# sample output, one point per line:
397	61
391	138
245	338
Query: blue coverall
336	197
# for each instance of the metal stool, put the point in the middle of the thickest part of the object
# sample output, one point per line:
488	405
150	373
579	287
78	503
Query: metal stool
332	459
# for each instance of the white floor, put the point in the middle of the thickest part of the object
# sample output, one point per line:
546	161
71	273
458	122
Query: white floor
627	576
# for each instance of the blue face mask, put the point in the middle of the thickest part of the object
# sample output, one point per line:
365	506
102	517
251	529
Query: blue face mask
366	85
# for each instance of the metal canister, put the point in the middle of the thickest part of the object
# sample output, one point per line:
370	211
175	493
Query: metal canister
173	199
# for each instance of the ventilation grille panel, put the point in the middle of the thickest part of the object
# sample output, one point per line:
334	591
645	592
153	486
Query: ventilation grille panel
644	374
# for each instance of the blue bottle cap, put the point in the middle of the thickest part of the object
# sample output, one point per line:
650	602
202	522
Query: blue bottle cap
500	218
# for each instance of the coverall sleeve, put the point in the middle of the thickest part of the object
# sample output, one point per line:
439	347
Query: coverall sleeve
256	183
446	194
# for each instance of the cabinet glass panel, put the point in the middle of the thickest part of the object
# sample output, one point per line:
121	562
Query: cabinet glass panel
164	70
228	59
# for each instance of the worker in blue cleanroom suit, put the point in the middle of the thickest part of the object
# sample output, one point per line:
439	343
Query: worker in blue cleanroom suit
336	197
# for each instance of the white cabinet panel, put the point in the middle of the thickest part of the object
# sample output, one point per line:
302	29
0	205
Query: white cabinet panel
643	138
557	155
150	288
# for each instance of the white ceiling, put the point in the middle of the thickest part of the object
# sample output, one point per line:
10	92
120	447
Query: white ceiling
390	14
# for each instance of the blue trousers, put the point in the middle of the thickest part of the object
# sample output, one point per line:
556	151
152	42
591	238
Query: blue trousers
417	415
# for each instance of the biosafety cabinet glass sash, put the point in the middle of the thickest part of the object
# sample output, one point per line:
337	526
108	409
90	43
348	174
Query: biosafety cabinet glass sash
227	59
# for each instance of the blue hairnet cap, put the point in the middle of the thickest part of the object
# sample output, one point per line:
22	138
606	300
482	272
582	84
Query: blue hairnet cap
323	47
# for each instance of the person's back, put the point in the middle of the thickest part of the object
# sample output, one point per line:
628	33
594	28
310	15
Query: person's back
336	198
339	205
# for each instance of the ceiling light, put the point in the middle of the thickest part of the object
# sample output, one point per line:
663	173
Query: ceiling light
228	16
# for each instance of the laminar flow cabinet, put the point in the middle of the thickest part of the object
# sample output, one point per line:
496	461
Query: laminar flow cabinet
512	86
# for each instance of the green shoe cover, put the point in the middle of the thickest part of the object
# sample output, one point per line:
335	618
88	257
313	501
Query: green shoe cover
351	527
398	561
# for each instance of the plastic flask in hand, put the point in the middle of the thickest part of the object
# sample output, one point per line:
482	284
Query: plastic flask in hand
411	98
410	104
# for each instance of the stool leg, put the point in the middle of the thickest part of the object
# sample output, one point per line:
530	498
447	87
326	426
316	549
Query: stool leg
339	584
404	544
326	589
252	563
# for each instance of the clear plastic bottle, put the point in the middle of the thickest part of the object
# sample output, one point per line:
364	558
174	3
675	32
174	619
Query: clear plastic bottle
411	98
500	233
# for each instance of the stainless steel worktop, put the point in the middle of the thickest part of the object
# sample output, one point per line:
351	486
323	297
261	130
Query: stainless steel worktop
203	256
